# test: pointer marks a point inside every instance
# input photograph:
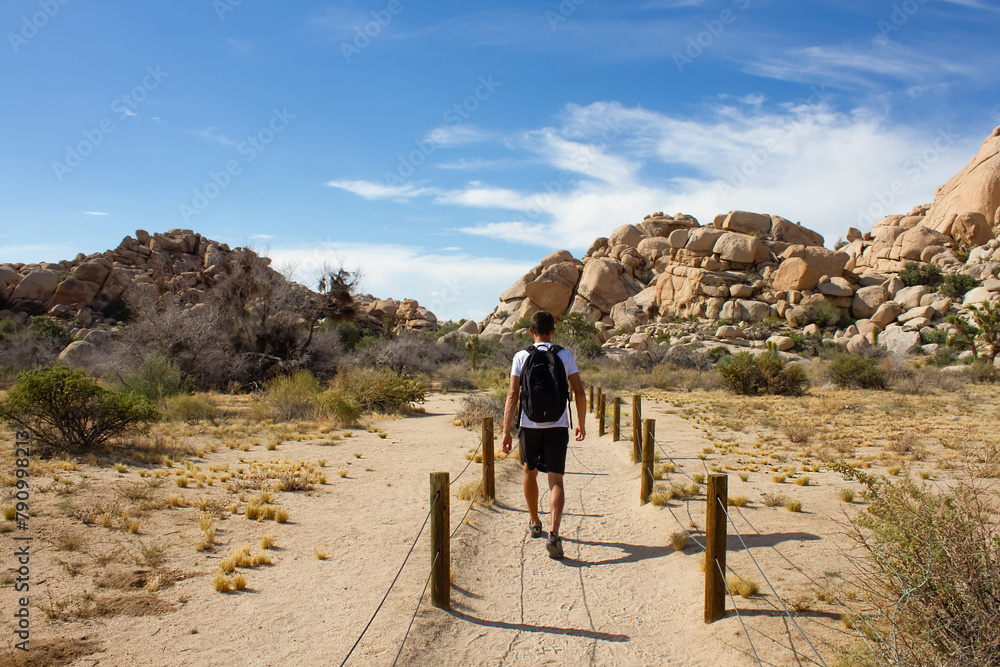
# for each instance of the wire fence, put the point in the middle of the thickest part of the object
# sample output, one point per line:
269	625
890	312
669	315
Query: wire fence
783	608
406	559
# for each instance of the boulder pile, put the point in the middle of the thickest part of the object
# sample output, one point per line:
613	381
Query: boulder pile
747	268
180	263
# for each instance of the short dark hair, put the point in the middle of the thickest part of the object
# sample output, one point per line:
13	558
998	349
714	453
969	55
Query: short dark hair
543	323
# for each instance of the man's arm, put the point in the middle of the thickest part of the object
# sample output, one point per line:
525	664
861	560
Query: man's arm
508	412
581	405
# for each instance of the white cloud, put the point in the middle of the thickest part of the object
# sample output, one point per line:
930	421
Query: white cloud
516	232
456	135
805	162
94	213
451	285
372	190
212	135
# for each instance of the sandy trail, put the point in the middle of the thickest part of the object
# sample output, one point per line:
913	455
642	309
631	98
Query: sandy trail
622	595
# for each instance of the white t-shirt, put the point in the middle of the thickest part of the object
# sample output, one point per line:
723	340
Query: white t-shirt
569	363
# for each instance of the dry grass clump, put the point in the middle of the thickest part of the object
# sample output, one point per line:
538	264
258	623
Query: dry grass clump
744	476
679	540
774	499
802	481
239	582
477	406
736	501
846	495
321	554
793	505
740	585
779	479
9	512
267	541
222	583
469	490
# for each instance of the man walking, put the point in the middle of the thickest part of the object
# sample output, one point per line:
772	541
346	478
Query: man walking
541	376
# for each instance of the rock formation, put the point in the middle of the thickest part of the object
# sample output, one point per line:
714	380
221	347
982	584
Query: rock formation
180	263
747	268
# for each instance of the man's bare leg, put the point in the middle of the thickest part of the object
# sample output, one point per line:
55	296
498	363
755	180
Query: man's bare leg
556	500
531	495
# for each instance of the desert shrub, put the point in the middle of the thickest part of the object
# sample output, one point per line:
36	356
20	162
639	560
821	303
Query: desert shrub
21	349
188	408
822	313
455	377
293	397
380	391
931	572
44	326
915	273
934	336
852	371
408	354
747	374
574	332
448	327
944	356
718	352
956	285
65	410
982	372
477	406
339	406
682	357
521	323
349	334
154	378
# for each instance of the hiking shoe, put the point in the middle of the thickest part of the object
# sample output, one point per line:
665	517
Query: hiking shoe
554	546
535	529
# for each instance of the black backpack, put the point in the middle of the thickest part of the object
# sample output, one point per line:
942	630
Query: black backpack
544	388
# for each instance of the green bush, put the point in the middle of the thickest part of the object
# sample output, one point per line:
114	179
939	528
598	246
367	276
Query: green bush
574	331
932	336
956	285
448	327
915	273
157	378
293	397
340	406
823	314
852	371
190	409
930	573
44	326
455	377
522	323
64	410
380	391
768	372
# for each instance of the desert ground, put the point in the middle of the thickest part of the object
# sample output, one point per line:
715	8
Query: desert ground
126	558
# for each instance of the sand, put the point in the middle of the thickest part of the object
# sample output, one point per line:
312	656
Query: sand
621	596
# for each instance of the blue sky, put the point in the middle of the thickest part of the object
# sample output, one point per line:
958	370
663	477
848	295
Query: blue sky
443	148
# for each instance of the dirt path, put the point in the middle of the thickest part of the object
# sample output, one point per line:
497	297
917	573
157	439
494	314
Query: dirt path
622	595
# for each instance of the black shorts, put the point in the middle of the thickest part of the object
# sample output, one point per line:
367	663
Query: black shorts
544	448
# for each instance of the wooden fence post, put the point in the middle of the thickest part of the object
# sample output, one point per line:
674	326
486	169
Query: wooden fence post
648	433
489	479
715	547
440	541
616	428
601	412
590	400
636	428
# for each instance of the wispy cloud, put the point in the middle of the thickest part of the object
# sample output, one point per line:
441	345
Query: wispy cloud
212	135
806	162
94	213
456	135
371	190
